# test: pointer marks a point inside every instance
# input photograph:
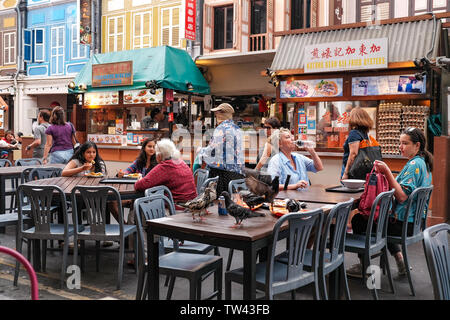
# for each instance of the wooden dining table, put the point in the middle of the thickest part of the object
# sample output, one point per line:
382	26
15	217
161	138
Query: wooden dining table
317	193
15	172
126	190
254	234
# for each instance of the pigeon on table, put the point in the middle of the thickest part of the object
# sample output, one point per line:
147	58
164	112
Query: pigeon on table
238	212
250	199
262	184
200	204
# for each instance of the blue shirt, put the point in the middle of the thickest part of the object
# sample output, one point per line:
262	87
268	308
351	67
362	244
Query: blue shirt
225	150
413	175
281	166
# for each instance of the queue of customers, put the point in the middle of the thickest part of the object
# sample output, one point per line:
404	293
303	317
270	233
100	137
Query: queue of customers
222	157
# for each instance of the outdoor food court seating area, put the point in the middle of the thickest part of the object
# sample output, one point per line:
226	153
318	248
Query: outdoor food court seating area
297	247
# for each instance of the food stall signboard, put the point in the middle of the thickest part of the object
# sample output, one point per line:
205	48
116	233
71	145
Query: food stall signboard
143	96
387	85
112	74
311	88
348	55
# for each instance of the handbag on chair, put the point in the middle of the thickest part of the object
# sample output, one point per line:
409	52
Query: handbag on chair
369	151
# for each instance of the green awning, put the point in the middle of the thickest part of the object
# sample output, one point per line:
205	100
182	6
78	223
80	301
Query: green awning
170	67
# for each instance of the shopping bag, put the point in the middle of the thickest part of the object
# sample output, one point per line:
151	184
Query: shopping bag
369	151
375	184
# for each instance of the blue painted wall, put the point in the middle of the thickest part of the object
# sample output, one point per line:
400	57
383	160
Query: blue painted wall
53	28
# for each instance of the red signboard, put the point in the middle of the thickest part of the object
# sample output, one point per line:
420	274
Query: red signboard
190	20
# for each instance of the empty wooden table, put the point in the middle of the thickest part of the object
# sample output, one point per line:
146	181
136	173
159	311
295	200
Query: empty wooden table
255	234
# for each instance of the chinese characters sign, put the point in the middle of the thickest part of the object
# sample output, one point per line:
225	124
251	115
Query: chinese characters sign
190	20
85	21
349	55
112	74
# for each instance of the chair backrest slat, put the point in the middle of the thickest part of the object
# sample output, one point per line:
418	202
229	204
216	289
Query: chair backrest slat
149	208
44	173
41	199
383	202
339	216
200	175
28	162
163	190
5	163
236	186
95	199
418	203
300	228
437	253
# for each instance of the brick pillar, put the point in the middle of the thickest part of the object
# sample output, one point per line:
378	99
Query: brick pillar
440	211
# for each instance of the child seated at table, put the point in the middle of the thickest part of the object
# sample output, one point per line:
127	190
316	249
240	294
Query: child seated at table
85	160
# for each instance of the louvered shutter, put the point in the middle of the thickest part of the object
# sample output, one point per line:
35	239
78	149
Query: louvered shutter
175	27
165	39
235	24
207	31
287	14
270	22
27	45
314	13
245	26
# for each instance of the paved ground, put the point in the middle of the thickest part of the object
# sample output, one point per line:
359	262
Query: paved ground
101	285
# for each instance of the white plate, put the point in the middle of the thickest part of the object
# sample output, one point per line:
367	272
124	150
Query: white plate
353	183
91	176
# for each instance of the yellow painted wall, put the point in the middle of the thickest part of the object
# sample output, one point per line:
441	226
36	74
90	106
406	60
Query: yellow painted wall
128	10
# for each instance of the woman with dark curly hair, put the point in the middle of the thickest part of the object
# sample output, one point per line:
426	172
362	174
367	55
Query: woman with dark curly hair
85	159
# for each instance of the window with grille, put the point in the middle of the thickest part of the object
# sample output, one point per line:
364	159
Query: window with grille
258	16
142	30
9	48
223	27
170	26
369	10
418	7
116	31
57	50
79	51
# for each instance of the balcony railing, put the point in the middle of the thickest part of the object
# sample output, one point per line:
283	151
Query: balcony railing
258	42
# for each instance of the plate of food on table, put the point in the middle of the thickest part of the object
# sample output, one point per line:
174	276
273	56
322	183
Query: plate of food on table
281	207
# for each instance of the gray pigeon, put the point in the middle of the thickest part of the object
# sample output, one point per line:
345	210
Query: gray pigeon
238	212
199	204
262	184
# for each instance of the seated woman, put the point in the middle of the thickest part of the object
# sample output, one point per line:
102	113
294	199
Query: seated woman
180	181
270	125
286	163
143	164
416	173
85	159
145	161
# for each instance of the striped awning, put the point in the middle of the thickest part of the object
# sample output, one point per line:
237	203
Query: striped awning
406	41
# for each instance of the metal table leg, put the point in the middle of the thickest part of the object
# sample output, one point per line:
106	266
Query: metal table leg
250	272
